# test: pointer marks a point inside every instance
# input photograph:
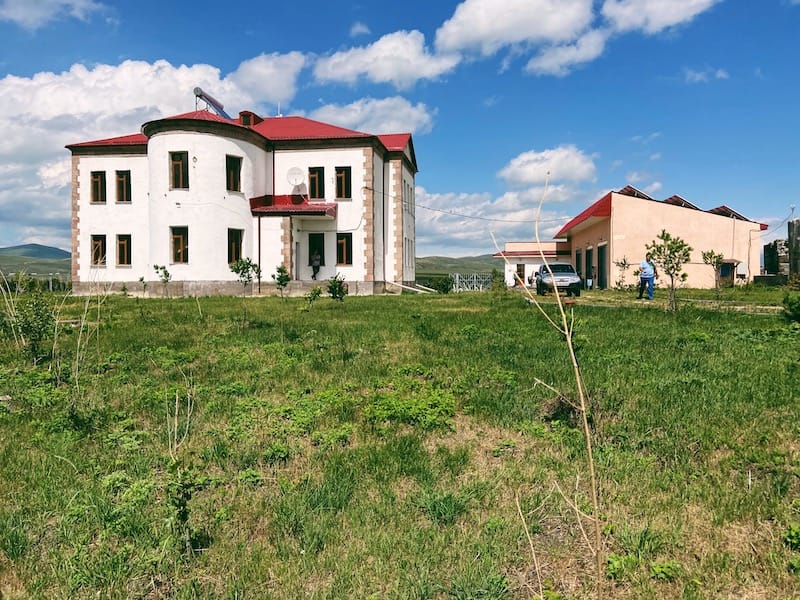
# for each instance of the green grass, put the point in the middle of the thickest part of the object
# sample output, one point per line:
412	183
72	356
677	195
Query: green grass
377	448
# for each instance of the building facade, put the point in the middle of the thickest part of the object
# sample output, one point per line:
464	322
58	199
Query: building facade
616	229
198	191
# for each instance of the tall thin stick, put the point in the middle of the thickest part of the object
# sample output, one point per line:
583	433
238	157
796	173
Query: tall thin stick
566	329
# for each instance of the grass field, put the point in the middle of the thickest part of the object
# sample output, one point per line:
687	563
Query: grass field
399	447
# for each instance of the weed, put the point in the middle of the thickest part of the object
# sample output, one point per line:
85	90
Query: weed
619	566
791	537
666	571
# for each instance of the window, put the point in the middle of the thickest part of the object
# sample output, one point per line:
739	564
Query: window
520	274
235	237
123	186
98	251
124	250
233	173
180	244
98	187
343	183
179	170
316	243
344	248
316	182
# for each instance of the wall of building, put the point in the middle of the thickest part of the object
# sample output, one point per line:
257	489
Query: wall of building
206	208
636	222
112	218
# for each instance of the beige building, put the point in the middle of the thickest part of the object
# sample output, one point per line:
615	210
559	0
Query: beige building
619	225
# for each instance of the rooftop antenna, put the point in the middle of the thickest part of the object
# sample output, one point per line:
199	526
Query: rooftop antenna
212	102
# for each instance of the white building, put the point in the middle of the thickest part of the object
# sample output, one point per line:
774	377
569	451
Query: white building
197	191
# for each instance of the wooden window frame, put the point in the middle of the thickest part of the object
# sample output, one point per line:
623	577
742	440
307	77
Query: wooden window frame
124	250
98	187
344	185
233	173
316	183
179	245
235	244
344	249
99	250
179	170
124	187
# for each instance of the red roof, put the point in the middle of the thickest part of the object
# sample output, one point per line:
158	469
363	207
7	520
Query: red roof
287	205
201	115
272	128
395	142
124	140
300	128
601	208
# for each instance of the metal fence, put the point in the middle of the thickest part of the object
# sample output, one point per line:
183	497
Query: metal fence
471	282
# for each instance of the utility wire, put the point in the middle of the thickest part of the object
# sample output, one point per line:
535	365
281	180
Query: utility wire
455	214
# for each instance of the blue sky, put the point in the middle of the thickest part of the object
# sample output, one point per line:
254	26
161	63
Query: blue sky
699	98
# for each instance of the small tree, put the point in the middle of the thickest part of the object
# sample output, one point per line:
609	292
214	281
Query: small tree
670	254
312	297
163	275
246	270
337	288
281	278
623	266
714	260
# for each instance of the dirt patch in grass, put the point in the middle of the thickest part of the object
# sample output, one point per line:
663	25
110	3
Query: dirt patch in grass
11	587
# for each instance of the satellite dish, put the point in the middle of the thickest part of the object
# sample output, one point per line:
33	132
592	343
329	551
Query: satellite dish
295	176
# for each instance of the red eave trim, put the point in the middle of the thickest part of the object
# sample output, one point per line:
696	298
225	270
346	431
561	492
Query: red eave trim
290	205
531	253
601	208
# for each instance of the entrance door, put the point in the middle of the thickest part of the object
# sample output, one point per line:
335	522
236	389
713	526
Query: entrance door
602	269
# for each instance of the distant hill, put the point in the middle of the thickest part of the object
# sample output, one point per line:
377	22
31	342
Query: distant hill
35	259
464	264
35	251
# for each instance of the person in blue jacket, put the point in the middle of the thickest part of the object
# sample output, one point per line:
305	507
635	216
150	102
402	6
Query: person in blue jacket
647	276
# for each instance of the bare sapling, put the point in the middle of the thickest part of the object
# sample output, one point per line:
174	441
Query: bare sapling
564	323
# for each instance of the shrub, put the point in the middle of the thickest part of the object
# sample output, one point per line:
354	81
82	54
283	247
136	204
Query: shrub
791	537
337	288
443	285
791	306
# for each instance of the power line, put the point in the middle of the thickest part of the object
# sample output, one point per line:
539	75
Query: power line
455	214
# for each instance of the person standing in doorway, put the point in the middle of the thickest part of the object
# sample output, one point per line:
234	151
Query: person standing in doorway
315	261
647	276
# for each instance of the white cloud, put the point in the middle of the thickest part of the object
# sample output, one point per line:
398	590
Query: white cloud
33	14
559	60
269	77
399	58
653	188
459	224
488	25
565	163
359	28
39	115
704	75
652	16
646	139
387	115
